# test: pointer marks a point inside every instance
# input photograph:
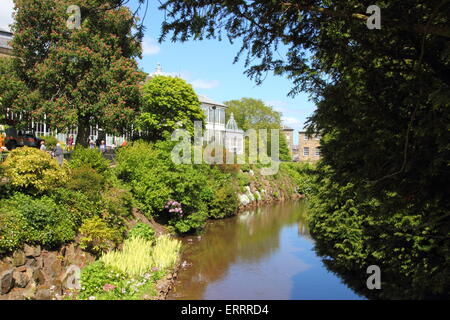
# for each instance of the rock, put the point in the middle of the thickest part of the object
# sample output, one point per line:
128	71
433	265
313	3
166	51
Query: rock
32	251
6	281
70	256
35	262
44	293
71	278
243	199
35	275
52	266
21	279
19	258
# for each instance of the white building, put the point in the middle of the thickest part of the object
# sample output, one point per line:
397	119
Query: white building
226	134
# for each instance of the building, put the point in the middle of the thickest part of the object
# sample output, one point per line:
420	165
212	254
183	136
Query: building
308	147
227	134
289	133
5	46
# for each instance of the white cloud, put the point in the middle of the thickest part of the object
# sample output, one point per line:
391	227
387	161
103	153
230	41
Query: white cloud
6	10
204	84
150	47
277	103
293	122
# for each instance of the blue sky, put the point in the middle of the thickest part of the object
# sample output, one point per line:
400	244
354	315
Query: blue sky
208	66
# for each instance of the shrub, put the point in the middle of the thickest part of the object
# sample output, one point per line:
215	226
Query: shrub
102	282
82	157
97	236
144	231
134	259
13	227
95	276
225	202
43	221
118	201
166	252
77	203
33	171
86	180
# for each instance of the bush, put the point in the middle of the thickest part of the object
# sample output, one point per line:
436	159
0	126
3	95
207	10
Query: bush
37	221
82	157
86	180
118	201
144	231
13	227
225	202
97	236
77	203
102	282
33	171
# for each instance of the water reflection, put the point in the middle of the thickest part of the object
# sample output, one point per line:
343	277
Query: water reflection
262	254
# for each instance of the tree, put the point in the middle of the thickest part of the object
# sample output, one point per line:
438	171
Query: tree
169	103
78	76
382	109
255	114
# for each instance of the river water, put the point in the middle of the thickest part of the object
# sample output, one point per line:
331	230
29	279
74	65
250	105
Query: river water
266	253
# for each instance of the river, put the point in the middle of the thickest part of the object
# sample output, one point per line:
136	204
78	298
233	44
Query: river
266	253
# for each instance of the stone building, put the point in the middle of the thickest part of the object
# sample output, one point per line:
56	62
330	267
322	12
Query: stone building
309	147
289	133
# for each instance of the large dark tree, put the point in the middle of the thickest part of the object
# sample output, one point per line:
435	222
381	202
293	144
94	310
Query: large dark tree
78	76
382	108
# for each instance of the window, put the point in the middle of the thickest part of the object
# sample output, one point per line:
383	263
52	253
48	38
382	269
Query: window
318	152
306	151
318	137
306	137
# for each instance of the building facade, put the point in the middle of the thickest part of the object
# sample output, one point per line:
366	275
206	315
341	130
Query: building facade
308	147
5	45
289	134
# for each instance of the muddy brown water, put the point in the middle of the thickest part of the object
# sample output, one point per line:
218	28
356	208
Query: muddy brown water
266	253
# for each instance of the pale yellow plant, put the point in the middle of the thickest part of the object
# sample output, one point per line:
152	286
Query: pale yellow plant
166	252
138	256
135	259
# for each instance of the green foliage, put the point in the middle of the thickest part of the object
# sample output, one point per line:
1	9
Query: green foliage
13	227
357	231
168	103
144	231
255	114
35	221
86	180
101	282
224	203
82	157
155	179
33	171
97	236
94	64
77	203
303	176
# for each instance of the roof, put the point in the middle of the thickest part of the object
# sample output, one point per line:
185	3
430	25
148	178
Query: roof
286	128
231	124
207	100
